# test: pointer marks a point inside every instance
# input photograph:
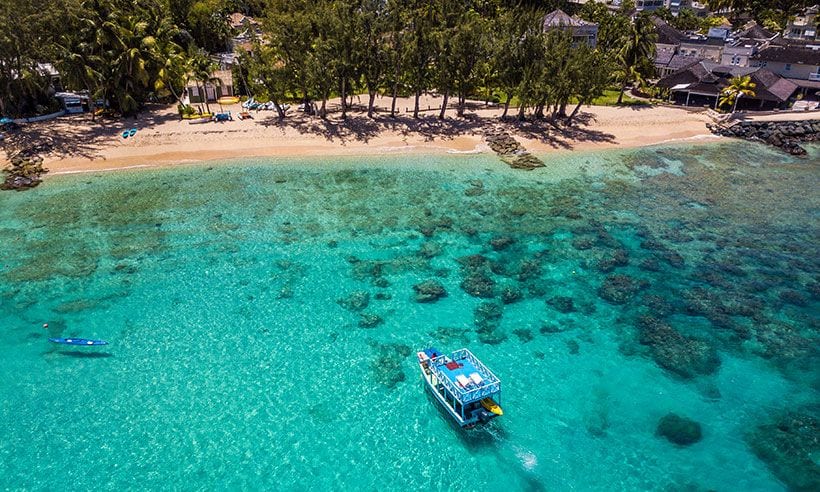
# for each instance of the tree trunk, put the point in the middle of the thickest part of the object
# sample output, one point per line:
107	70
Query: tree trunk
461	103
393	104
521	111
323	109
444	105
416	105
562	110
344	98
370	104
506	107
621	95
279	109
539	109
575	112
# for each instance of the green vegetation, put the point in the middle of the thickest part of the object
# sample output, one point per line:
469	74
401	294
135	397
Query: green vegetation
738	87
125	53
770	13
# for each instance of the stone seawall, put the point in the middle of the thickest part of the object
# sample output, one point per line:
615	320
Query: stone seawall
787	135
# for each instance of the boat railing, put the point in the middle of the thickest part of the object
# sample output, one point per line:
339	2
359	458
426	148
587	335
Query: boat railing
490	386
466	354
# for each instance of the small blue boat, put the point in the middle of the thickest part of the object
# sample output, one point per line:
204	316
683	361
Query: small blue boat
77	341
125	134
462	385
132	132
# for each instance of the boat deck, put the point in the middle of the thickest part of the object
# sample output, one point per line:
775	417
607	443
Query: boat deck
465	377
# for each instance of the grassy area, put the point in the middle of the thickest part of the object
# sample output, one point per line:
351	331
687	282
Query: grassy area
610	98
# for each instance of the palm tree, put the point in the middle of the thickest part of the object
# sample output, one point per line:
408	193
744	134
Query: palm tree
202	67
738	86
636	53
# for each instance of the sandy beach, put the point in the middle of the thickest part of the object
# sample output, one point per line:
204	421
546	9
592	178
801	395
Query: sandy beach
76	144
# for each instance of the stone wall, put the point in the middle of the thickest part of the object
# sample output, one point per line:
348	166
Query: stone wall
787	135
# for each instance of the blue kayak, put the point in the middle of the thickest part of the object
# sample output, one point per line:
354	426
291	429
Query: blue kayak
77	341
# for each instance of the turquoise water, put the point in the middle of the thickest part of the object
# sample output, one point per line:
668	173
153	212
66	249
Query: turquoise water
242	356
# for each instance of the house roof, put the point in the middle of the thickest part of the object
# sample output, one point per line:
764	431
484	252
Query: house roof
754	31
666	33
681	61
807	84
790	54
238	19
718	33
772	87
559	18
710	78
663	56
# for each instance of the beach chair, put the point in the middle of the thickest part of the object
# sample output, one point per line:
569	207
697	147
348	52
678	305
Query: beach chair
476	378
463	381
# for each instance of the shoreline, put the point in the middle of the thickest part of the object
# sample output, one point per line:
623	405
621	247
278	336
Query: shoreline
87	166
76	145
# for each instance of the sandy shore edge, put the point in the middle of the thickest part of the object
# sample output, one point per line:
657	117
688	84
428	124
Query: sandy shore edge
76	145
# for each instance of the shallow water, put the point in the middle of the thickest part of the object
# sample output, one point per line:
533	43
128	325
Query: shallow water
238	358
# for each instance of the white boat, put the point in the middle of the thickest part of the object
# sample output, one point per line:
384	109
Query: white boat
462	385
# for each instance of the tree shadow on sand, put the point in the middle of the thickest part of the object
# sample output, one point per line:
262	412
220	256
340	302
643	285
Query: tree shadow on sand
561	136
77	136
359	128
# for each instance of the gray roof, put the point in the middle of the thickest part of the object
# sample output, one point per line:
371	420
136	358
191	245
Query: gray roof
790	54
559	18
666	33
754	31
709	77
718	32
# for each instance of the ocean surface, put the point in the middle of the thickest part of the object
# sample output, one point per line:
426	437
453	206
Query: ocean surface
263	323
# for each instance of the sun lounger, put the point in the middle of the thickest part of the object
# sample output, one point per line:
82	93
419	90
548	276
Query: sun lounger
476	378
463	381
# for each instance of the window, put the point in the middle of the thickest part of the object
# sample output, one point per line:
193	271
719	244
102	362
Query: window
788	66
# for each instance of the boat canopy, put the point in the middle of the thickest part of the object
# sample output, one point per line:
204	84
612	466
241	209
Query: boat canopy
464	376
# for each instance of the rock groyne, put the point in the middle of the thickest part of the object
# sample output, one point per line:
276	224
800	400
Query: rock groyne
786	135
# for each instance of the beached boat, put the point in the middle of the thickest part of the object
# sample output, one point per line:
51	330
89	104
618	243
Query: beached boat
200	119
462	385
228	100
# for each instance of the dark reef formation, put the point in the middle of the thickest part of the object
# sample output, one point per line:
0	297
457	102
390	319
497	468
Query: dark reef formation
679	430
429	291
790	445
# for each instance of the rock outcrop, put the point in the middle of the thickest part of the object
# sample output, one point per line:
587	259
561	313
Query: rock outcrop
24	171
511	151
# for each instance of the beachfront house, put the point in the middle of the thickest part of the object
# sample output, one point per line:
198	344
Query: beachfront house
792	61
745	44
583	32
701	84
221	85
668	57
674	6
803	27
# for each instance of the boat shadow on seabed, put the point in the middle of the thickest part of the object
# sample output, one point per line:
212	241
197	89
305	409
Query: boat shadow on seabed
85	355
